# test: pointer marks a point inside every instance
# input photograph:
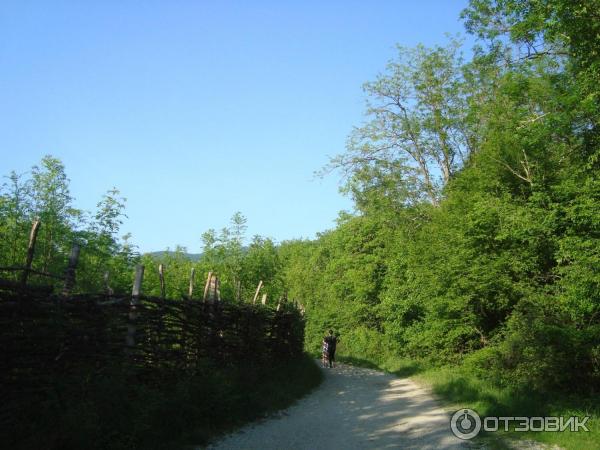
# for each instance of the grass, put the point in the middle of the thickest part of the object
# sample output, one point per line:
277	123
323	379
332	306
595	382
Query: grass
457	388
174	411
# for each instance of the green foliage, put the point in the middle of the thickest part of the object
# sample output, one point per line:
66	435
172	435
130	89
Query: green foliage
15	218
177	271
240	268
337	278
500	267
45	195
418	134
464	385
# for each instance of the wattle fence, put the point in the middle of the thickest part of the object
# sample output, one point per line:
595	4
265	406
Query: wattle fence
49	341
57	349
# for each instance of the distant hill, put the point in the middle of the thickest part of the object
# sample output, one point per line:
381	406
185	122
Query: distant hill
161	254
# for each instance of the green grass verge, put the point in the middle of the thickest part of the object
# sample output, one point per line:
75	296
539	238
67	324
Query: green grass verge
457	388
174	411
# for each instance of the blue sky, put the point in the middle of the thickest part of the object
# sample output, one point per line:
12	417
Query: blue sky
195	109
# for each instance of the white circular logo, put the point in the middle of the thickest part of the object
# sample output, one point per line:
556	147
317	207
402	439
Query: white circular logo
465	424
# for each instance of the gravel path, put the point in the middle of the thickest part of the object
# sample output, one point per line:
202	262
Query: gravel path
354	408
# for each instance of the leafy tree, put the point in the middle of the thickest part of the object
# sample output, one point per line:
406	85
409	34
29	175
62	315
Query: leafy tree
261	262
224	253
417	132
52	203
102	247
45	194
15	219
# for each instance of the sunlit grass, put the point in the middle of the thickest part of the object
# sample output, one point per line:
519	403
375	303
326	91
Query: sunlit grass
459	389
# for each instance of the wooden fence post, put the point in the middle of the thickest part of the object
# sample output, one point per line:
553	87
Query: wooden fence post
191	287
71	267
218	289
135	300
137	284
260	283
30	250
264	299
161	276
238	290
206	286
212	288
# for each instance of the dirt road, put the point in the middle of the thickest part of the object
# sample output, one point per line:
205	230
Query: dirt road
354	408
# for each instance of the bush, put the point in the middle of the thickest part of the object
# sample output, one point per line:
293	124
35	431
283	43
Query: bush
364	343
539	350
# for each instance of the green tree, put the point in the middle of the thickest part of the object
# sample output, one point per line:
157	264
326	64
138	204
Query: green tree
15	219
261	262
101	245
52	203
417	133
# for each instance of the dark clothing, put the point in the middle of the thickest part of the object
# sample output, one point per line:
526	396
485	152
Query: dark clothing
331	344
331	341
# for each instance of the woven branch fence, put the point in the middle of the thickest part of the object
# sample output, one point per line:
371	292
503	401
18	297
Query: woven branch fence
49	338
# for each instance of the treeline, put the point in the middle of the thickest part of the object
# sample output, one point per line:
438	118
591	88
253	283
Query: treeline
107	259
240	266
476	237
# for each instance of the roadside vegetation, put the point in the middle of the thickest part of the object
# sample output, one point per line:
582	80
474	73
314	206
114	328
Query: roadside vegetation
473	257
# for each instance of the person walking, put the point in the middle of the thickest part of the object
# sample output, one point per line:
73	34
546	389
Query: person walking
331	345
